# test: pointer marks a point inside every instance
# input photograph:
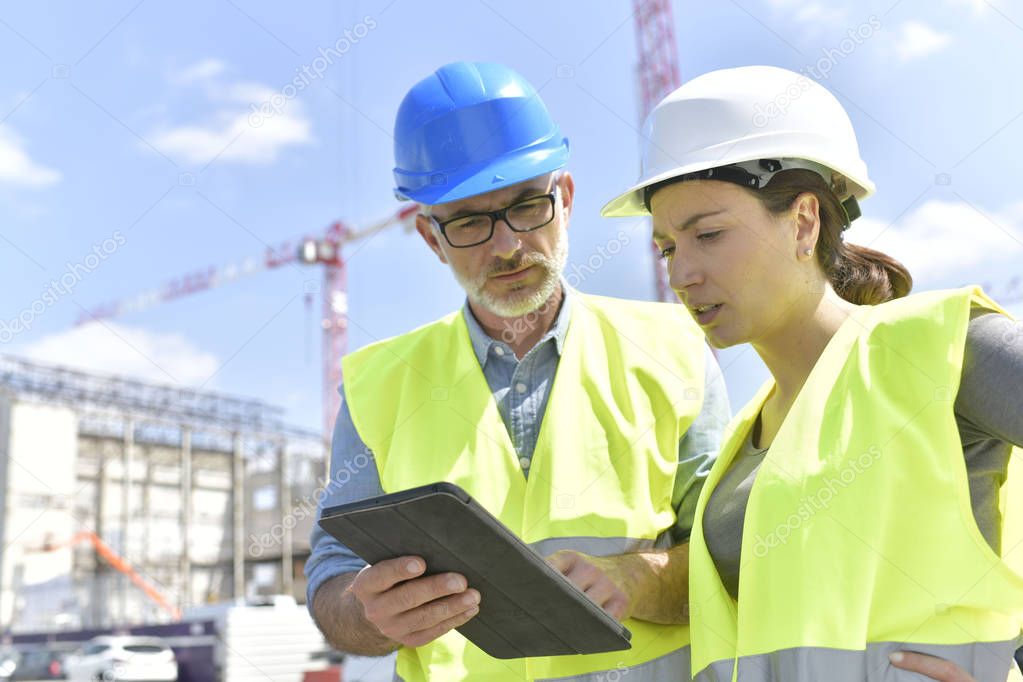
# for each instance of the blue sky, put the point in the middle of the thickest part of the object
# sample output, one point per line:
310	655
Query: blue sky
128	157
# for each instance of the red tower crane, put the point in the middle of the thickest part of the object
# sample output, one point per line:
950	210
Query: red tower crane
327	251
657	75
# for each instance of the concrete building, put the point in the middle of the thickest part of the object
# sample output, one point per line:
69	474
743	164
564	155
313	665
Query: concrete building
124	501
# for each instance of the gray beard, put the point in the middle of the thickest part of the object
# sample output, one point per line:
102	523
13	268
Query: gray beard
515	304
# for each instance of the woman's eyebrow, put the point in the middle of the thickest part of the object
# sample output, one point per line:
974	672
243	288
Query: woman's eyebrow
690	221
693	219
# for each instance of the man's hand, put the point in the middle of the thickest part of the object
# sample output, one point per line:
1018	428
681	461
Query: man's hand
599	577
411	610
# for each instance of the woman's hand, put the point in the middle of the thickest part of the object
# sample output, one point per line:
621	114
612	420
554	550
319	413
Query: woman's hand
601	578
931	666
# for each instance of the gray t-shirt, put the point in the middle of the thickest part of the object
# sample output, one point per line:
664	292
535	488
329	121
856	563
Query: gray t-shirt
989	414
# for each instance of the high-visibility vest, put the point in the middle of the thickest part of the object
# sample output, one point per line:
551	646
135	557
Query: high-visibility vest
629	383
859	537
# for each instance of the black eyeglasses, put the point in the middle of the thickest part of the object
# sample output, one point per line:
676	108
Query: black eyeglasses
522	216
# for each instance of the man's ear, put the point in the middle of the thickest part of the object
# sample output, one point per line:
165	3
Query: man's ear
425	228
567	186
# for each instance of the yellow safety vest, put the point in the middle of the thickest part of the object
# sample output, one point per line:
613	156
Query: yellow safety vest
629	383
859	537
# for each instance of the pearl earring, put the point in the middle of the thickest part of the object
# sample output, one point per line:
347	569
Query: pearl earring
808	252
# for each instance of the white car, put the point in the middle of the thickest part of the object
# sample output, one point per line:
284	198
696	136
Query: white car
110	659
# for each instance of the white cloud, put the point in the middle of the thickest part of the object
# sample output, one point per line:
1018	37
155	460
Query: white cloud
115	348
915	39
813	12
236	131
231	138
17	168
204	70
815	18
946	238
976	6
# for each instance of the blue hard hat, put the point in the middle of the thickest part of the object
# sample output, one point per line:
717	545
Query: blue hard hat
470	128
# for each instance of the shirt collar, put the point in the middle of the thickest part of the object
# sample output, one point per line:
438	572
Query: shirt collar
482	343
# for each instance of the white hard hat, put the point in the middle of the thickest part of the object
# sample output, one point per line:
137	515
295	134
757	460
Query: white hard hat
758	120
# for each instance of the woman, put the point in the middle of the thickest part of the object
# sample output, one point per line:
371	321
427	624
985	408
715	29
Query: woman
856	509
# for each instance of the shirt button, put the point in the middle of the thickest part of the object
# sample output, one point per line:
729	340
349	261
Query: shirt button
524	462
499	350
520	388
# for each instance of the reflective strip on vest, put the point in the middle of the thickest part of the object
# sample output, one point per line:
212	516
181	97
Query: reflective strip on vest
673	667
593	546
986	661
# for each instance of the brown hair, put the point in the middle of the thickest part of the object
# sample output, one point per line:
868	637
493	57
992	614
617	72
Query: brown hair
858	274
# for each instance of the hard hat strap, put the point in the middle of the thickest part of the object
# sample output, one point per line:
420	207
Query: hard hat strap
852	210
755	175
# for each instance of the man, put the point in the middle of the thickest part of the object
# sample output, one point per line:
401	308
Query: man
585	424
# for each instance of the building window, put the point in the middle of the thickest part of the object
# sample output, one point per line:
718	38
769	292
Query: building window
265	498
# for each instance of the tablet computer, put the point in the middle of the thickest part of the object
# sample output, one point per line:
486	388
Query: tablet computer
527	608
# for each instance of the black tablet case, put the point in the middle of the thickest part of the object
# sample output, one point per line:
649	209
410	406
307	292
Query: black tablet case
526	607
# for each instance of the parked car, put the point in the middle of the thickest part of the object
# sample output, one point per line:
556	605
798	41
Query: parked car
42	662
9	659
123	658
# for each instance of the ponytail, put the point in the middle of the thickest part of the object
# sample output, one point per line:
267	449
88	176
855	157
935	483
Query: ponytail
859	275
866	277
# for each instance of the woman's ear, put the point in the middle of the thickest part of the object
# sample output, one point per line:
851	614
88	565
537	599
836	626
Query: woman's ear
807	213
